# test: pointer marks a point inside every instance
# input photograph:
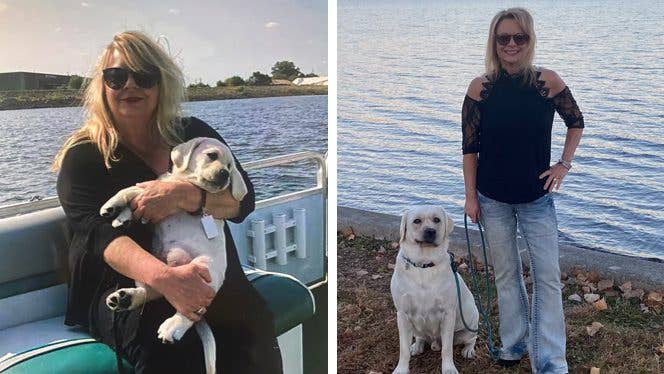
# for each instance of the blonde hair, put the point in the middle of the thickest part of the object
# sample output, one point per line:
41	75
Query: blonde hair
492	62
140	53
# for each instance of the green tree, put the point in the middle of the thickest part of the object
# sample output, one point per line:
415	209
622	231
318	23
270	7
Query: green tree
234	81
75	82
220	84
259	79
285	70
199	85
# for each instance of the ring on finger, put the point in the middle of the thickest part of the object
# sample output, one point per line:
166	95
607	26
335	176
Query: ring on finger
201	311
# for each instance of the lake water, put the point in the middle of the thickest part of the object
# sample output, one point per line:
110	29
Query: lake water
404	68
254	128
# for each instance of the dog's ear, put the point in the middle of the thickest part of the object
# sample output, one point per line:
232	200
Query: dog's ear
449	225
402	229
238	187
181	154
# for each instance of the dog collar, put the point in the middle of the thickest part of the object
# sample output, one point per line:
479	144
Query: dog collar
418	264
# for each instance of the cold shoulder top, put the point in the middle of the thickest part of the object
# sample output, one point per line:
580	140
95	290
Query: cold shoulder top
510	129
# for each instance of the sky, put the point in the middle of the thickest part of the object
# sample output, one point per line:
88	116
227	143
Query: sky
210	40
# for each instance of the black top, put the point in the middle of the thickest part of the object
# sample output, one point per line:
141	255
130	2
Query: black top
510	128
84	185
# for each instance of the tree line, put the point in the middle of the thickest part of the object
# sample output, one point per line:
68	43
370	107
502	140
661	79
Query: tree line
281	70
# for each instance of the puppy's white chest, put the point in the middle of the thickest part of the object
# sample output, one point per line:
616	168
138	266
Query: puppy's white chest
187	231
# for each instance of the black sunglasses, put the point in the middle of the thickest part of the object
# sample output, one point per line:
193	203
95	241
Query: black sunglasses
116	78
519	39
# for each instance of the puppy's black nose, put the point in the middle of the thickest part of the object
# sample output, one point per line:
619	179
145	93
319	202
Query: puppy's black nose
221	178
429	235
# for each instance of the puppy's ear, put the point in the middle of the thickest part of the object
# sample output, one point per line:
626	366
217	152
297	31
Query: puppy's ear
449	226
238	187
181	154
402	230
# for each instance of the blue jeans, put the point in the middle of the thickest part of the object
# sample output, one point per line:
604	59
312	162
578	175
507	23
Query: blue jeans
541	332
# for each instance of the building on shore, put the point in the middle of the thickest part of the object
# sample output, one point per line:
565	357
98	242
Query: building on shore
281	82
313	81
21	81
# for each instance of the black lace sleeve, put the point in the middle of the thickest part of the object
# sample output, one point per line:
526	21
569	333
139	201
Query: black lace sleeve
568	110
470	125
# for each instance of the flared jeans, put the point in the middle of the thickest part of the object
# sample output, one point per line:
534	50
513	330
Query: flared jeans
540	329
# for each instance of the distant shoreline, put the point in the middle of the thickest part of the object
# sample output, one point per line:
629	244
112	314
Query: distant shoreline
71	98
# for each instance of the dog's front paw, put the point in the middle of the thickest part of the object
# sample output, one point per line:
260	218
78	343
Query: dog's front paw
111	208
173	328
125	299
447	369
417	347
468	351
399	370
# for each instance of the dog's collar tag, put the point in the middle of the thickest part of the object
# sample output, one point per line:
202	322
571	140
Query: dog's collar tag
210	228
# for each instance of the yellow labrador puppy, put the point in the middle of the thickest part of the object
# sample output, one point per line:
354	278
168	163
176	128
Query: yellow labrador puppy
424	291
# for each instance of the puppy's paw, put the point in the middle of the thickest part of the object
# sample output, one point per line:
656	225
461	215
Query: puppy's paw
399	370
417	347
468	351
117	223
173	328
125	299
449	370
435	346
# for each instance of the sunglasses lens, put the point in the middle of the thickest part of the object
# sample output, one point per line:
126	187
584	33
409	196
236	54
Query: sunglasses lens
147	79
503	39
521	39
115	78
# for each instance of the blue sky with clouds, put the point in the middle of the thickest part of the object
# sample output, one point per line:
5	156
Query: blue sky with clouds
211	40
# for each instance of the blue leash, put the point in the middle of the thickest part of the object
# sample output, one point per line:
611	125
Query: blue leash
494	352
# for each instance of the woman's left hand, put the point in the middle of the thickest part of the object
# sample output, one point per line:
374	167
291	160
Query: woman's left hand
160	199
556	174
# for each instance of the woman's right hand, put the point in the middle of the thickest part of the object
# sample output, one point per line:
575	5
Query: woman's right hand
472	208
186	288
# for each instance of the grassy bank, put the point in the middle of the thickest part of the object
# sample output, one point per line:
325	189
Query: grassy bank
631	339
64	98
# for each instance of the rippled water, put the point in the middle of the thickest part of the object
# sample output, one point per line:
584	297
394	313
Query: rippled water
404	68
254	128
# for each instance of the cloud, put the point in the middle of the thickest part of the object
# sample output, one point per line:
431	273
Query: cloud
86	5
271	24
58	29
3	6
174	11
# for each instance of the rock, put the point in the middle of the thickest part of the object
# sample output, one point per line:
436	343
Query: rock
361	272
463	267
575	297
394	245
382	250
625	287
593	276
351	237
600	305
605	284
378	258
636	293
661	349
585	289
391	266
576	271
380	372
593	370
653	298
376	276
563	276
529	280
591	297
593	287
593	328
346	232
644	308
581	277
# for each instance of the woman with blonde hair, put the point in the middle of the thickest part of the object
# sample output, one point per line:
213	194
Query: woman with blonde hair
133	120
507	120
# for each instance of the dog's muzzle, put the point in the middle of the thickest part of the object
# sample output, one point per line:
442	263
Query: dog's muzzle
429	236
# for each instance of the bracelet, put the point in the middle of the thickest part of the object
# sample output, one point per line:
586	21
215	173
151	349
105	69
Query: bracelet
566	164
201	208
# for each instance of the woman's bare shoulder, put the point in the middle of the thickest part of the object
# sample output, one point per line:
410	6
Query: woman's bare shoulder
476	86
552	81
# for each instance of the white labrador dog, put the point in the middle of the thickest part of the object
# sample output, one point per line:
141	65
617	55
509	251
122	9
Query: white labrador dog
181	238
424	291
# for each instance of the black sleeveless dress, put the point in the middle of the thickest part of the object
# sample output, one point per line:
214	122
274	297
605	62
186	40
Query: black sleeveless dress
241	322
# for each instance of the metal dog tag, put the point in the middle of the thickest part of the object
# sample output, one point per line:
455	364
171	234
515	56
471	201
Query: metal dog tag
209	226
